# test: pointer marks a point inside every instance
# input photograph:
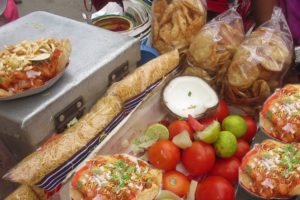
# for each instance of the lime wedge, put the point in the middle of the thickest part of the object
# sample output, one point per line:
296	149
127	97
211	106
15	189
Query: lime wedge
182	140
210	134
157	130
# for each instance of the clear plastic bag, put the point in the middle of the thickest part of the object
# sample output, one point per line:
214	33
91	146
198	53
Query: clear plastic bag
176	22
260	63
215	44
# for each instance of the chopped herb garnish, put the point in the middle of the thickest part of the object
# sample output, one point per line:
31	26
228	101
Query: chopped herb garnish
130	169
288	100
248	169
192	107
190	93
269	114
120	164
79	185
266	156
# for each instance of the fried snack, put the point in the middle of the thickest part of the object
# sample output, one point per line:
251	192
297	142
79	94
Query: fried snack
217	41
260	63
22	193
93	179
29	65
144	76
40	163
215	44
176	23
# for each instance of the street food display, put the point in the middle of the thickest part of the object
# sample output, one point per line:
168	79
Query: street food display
279	116
176	22
165	131
214	45
30	64
271	170
116	177
260	63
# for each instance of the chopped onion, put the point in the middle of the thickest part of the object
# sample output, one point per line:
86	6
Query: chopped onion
192	190
32	74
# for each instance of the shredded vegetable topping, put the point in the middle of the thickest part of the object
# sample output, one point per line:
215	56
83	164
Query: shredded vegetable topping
275	170
284	114
115	177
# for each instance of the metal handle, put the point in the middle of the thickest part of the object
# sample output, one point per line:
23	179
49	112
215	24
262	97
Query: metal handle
118	73
63	118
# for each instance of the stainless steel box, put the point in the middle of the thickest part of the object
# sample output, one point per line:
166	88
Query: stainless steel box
98	58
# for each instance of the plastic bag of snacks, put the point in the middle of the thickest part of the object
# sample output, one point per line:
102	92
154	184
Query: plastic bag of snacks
175	22
260	63
214	46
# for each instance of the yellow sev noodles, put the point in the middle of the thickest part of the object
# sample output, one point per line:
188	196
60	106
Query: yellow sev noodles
37	165
22	193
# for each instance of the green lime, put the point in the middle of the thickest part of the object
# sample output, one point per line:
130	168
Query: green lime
157	130
235	124
210	134
226	144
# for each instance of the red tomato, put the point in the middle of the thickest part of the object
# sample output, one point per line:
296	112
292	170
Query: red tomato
227	168
199	158
20	75
206	121
176	182
222	111
178	126
242	148
37	83
251	129
214	188
164	155
196	126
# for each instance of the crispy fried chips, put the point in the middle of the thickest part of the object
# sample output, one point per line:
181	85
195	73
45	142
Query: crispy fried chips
260	62
175	23
215	44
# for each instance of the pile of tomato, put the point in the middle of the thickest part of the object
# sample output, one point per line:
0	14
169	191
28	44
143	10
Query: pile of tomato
216	176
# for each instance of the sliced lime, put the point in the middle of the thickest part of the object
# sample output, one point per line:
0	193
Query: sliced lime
182	140
210	134
157	130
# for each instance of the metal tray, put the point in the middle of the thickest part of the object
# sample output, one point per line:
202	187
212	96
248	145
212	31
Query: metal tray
33	91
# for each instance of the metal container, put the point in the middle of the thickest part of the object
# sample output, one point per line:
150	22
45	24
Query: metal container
99	57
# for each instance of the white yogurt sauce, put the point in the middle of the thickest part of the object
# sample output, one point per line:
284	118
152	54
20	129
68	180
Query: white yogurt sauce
186	95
